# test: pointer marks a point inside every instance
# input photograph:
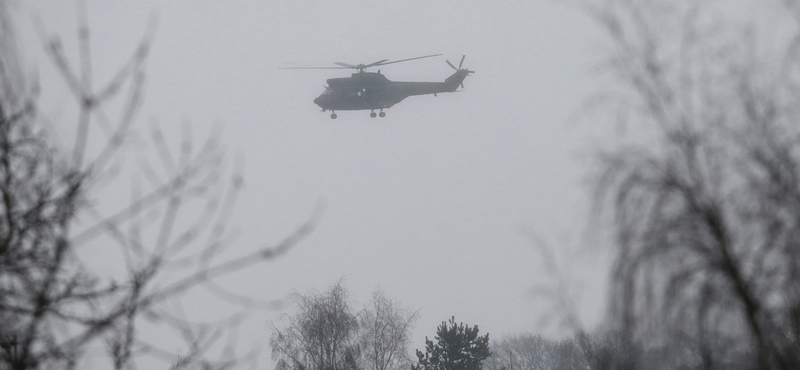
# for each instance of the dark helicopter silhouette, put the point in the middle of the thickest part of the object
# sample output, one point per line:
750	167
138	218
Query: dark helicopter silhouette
371	90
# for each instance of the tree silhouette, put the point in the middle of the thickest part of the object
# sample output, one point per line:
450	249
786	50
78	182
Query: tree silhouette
457	347
323	335
705	204
384	332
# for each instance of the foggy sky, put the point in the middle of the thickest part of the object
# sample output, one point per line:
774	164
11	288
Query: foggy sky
425	203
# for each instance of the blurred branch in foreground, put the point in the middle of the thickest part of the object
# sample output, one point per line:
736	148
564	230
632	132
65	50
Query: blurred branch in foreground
56	310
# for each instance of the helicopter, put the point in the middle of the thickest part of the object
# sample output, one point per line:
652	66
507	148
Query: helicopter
371	90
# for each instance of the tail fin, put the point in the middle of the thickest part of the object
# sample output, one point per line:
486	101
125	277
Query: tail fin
456	79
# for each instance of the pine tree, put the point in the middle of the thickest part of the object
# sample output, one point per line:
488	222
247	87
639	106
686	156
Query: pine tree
457	347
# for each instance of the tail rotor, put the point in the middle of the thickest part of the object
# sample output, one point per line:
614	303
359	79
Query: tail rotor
465	71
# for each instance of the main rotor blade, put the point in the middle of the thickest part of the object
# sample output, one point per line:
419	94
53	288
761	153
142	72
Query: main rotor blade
404	60
314	68
451	65
462	61
378	63
362	66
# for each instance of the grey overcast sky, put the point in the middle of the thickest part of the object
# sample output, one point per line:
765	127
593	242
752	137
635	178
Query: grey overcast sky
426	203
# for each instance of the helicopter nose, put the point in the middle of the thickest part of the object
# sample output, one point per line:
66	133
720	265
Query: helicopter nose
317	100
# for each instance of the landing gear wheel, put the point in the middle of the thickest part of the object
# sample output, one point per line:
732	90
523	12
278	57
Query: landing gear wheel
382	114
333	115
373	115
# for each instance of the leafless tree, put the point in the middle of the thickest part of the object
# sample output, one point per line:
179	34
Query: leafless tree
322	335
596	350
55	309
521	352
327	333
385	332
705	203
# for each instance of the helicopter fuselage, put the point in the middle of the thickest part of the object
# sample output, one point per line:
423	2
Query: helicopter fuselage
370	90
